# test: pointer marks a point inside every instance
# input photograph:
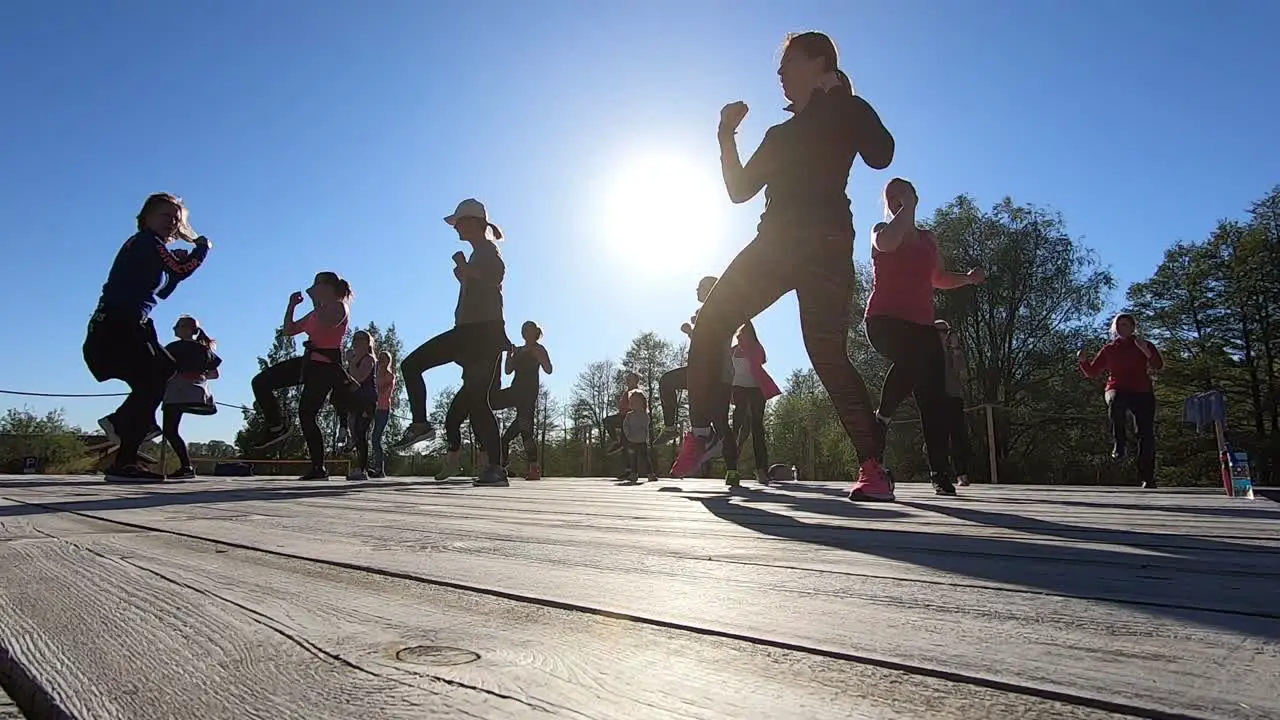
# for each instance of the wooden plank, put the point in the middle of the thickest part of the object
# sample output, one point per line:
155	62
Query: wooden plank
96	637
1052	610
545	661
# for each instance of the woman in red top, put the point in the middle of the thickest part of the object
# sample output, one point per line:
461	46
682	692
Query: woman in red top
1127	360
318	370
906	270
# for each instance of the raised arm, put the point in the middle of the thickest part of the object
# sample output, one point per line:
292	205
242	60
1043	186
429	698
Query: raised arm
509	366
745	182
544	359
1155	361
1095	367
870	137
293	327
944	279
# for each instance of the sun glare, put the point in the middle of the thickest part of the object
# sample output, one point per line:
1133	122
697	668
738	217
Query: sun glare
664	211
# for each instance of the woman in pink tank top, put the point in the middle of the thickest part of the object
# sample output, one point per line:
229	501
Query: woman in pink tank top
899	323
319	370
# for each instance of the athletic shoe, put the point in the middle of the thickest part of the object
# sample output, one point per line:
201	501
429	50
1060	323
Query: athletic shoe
275	436
376	475
874	483
942	484
962	480
449	467
667	435
132	474
344	437
1149	485
731	479
358	475
414	434
315	473
1118	452
762	477
692	451
534	473
113	438
493	476
183	473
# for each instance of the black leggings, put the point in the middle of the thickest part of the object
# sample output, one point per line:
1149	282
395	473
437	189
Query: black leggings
319	381
957	434
525	404
819	268
917	366
748	419
478	348
669	385
1142	405
122	348
172	419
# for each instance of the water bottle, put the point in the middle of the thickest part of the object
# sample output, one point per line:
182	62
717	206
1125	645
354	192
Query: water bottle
1241	477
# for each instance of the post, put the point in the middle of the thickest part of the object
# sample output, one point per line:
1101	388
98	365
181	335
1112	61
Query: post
991	444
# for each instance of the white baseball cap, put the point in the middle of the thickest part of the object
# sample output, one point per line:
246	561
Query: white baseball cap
470	207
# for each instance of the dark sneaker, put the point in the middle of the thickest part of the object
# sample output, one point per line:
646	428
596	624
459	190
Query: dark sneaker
493	476
414	434
731	479
315	473
132	474
942	484
275	436
1149	485
376	475
183	473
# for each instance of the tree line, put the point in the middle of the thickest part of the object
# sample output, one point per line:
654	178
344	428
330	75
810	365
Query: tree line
1212	306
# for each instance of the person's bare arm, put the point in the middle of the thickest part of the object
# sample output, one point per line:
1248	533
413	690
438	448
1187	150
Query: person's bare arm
944	279
545	359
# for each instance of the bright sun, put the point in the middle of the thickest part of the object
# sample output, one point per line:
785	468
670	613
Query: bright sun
665	211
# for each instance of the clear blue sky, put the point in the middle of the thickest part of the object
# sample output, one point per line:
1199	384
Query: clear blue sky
335	135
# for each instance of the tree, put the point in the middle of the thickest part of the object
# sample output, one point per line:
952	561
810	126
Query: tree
49	437
595	394
1024	325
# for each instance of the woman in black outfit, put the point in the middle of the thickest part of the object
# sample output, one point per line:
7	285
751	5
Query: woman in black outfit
475	342
523	364
121	342
188	392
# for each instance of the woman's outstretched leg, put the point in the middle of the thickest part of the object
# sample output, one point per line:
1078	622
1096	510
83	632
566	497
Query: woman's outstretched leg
754	280
172	421
439	350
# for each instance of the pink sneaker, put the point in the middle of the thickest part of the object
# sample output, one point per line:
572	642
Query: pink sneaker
873	484
692	452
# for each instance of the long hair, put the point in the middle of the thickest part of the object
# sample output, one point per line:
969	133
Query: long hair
200	336
1115	323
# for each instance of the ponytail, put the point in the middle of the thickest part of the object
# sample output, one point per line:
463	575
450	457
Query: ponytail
495	230
203	338
845	82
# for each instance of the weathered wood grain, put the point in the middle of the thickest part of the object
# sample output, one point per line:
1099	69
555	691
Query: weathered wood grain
1160	600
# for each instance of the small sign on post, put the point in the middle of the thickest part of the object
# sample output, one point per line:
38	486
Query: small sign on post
30	465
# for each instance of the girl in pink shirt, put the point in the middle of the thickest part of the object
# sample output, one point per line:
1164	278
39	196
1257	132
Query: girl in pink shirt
318	370
385	381
899	323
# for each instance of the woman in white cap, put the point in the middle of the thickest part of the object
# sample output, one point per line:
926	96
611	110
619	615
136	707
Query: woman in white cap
475	342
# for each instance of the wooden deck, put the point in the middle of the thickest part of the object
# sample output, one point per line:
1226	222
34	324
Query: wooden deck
408	598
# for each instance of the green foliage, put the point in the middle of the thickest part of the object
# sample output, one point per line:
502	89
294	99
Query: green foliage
49	438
